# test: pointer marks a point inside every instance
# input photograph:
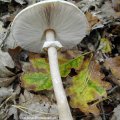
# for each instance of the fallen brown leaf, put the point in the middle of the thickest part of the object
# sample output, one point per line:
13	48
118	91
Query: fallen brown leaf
114	65
116	5
97	75
91	19
4	82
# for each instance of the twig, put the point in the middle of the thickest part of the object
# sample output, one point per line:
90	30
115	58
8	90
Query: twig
22	107
103	111
113	89
7	100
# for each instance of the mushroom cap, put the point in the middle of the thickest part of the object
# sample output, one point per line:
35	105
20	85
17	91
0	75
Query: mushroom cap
65	19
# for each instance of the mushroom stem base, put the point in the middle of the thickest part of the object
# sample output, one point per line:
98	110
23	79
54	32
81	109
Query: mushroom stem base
63	107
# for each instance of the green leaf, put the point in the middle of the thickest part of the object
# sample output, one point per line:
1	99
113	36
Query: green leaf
37	77
105	45
40	64
67	66
36	81
85	89
38	74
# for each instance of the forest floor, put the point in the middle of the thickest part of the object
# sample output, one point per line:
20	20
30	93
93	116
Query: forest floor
99	92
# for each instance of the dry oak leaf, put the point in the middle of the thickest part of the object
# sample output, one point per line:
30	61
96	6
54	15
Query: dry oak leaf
114	65
116	5
97	75
4	82
91	19
6	62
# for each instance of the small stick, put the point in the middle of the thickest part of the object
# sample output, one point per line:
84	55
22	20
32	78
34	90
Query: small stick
103	111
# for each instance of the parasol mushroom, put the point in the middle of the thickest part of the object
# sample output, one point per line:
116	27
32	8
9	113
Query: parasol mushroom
49	25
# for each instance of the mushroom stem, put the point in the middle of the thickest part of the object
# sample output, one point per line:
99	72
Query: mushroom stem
63	107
